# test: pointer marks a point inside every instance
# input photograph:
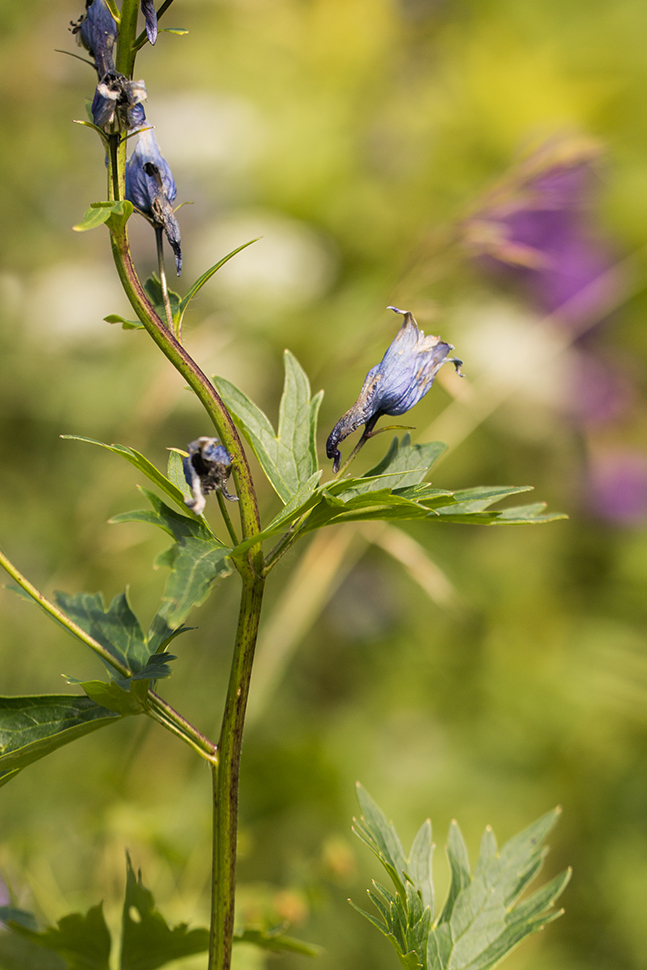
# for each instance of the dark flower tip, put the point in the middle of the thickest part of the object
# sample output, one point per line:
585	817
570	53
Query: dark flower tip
148	9
396	384
206	469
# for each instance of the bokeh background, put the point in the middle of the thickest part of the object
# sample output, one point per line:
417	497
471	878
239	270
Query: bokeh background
484	164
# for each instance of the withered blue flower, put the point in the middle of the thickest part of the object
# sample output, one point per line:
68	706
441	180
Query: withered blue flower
148	9
396	384
150	186
206	470
117	103
97	32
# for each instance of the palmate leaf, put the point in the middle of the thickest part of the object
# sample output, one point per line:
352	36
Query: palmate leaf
197	559
483	918
288	457
32	727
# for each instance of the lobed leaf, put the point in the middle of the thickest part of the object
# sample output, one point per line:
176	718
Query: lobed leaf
195	565
288	457
148	941
403	465
482	919
82	941
34	726
116	627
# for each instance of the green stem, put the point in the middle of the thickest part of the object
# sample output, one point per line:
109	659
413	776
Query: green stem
159	240
162	712
126	53
200	384
225	779
227	519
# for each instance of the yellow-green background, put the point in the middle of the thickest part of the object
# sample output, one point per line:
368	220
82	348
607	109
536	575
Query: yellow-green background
344	132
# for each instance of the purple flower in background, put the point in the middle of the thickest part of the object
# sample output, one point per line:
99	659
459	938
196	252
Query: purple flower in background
617	485
206	469
97	32
150	186
148	9
535	228
396	384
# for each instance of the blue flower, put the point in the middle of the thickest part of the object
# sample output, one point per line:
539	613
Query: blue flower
396	384
206	469
148	9
117	103
150	186
97	32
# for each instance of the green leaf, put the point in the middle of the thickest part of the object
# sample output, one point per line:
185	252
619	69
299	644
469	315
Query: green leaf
180	31
148	941
143	465
288	458
32	727
206	276
305	498
19	953
195	565
83	940
113	697
403	465
459	864
419	864
380	836
175	474
276	942
177	526
153	289
93	217
125	324
482	919
116	214
116	628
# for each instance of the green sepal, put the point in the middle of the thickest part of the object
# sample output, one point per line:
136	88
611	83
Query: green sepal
34	726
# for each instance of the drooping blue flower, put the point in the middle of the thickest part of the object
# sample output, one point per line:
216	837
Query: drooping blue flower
206	470
117	103
148	9
396	384
97	32
151	188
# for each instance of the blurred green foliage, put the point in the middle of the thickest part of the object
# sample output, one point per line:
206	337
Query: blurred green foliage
348	134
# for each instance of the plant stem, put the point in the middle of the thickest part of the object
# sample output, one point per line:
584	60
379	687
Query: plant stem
159	239
225	778
227	519
126	52
162	712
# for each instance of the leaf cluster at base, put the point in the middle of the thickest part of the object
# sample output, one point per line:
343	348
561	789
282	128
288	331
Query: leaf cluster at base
483	917
83	942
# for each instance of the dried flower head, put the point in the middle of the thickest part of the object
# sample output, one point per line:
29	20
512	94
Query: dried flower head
206	469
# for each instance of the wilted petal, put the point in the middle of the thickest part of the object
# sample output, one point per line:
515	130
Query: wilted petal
148	9
117	104
150	186
97	32
396	384
206	470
